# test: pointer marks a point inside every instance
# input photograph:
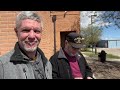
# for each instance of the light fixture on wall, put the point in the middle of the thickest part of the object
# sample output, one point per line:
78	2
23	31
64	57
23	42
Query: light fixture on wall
65	14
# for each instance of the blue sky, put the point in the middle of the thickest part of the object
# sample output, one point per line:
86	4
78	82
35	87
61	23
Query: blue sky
110	33
107	33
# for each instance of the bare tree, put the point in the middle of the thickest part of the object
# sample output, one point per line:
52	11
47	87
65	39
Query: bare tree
111	17
105	18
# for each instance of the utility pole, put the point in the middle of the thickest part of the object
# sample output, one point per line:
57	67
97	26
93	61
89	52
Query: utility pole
92	33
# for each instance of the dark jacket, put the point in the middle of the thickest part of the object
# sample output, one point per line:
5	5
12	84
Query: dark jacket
14	66
61	67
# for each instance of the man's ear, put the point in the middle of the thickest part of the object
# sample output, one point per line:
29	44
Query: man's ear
15	29
66	42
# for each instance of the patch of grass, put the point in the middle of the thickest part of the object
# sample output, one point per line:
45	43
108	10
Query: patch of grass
86	50
112	56
92	54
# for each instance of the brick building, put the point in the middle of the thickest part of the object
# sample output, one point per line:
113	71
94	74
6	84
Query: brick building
62	26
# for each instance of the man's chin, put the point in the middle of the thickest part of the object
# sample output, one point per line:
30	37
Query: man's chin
31	49
73	54
70	54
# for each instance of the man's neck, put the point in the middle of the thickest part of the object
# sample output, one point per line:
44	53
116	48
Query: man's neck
68	52
31	55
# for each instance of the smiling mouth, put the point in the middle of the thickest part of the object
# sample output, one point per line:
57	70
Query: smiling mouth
31	43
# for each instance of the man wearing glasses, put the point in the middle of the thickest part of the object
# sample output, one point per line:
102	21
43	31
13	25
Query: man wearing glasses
68	62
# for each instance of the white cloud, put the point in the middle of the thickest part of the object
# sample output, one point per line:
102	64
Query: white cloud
101	23
86	19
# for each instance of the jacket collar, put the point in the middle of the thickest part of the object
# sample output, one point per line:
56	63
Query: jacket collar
18	57
62	55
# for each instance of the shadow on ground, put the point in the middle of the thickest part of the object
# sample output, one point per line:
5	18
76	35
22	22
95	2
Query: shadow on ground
107	70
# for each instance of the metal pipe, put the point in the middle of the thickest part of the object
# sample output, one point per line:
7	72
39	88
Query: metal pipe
92	32
54	24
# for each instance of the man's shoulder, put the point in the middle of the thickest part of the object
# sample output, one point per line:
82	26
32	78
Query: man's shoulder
80	54
55	55
6	57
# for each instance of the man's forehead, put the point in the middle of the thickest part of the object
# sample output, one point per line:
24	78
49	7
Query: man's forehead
30	23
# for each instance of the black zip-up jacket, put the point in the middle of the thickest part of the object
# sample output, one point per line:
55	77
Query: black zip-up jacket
61	67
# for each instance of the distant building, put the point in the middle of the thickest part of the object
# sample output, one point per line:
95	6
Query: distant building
102	44
109	44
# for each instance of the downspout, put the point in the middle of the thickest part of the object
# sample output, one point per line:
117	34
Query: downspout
54	24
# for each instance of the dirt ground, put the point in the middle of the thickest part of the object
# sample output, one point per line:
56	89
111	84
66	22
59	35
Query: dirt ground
107	70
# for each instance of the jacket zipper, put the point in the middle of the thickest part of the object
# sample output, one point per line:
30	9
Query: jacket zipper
68	73
25	72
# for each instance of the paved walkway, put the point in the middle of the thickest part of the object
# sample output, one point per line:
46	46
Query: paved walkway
113	51
94	58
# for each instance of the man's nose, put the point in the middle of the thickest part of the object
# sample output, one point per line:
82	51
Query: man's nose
31	34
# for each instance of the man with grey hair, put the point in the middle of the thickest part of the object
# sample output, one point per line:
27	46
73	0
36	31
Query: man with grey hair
26	60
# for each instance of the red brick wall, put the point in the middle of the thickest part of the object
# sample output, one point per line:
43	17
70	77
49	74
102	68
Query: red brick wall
8	37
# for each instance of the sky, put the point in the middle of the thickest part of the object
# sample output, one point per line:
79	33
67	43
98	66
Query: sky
107	33
110	33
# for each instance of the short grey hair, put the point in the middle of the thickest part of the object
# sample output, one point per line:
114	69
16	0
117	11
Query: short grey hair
27	15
